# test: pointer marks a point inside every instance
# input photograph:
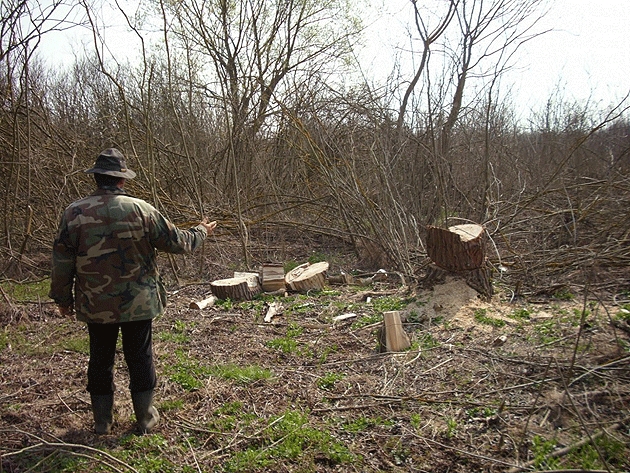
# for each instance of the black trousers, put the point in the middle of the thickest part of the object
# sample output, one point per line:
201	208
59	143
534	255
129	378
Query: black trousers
138	351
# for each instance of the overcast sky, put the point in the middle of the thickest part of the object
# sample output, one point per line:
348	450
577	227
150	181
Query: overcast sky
587	54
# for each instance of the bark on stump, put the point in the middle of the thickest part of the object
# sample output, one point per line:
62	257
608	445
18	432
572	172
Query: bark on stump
460	251
237	289
307	277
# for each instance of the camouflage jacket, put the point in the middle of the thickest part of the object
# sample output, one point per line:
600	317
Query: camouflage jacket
106	250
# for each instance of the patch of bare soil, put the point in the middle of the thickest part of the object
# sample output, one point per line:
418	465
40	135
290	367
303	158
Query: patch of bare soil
486	386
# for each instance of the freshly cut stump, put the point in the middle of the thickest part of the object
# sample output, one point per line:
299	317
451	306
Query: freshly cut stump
307	277
236	289
461	251
458	248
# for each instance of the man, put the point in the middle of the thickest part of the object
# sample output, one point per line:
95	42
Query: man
104	268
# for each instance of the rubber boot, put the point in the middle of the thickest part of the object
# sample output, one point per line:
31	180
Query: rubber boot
147	416
102	408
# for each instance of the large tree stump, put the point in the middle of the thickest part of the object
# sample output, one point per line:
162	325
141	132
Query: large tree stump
307	277
459	250
242	288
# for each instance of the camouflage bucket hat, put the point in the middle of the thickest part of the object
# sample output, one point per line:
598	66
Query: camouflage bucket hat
111	162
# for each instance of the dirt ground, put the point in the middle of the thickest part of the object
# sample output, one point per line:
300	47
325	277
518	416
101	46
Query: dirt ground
499	385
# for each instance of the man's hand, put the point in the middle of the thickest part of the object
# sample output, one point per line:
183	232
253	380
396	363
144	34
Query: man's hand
65	311
210	226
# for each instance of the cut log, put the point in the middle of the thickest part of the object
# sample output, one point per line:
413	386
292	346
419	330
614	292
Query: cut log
395	337
208	302
307	277
272	277
458	248
236	289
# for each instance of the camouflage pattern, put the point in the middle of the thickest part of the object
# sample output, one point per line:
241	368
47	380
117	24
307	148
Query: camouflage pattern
105	250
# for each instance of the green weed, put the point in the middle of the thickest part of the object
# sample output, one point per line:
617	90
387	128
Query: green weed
564	295
482	317
367	319
171	405
415	420
145	453
426	341
290	437
623	313
541	448
78	344
288	344
548	331
587	458
4	340
224	304
327	351
317	257
178	333
520	314
329	380
387	304
361	424
451	427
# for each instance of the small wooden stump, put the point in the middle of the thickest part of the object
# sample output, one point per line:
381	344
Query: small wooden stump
459	250
307	277
243	288
393	336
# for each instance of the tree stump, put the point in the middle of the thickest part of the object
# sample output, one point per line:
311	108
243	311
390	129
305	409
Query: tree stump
242	288
459	250
307	277
272	277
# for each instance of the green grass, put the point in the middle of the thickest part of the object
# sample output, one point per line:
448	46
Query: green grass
564	295
364	423
26	291
240	374
290	438
191	373
178	333
541	448
482	317
289	344
387	304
